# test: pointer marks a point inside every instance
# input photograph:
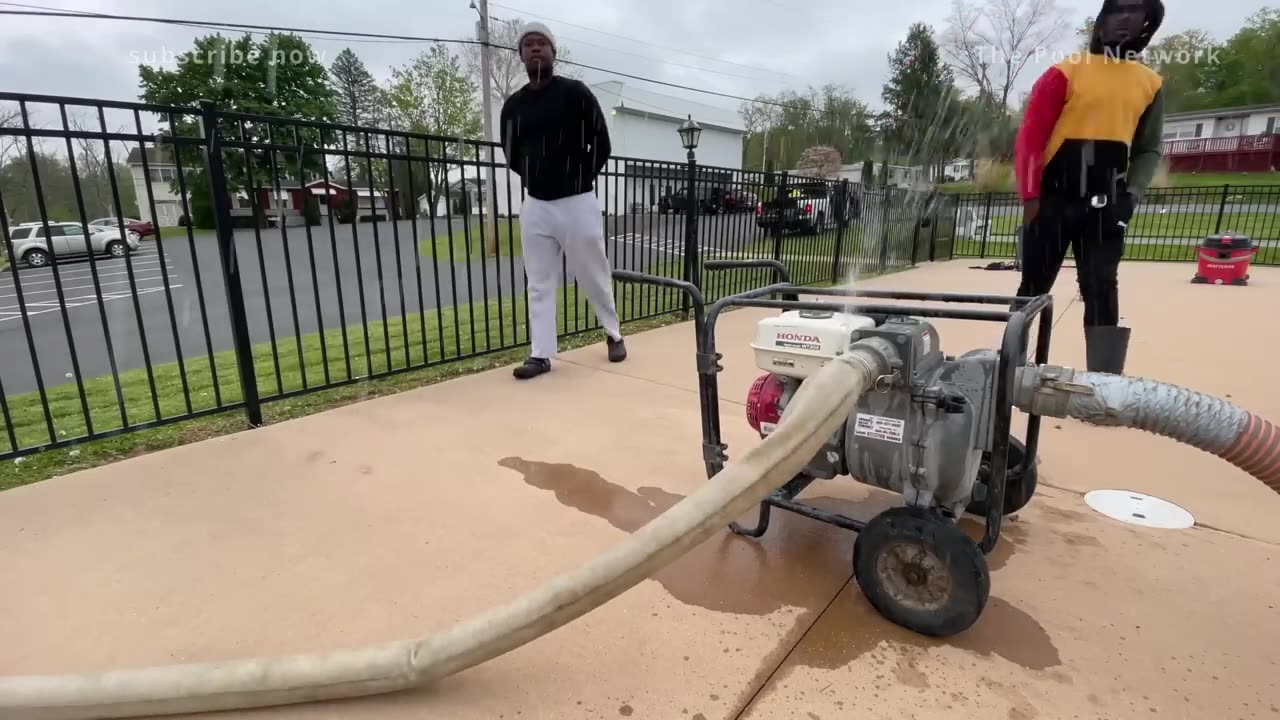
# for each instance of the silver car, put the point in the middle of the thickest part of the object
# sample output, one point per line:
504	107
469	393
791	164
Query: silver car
29	244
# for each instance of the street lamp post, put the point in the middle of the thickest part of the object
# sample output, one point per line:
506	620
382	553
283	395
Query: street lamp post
690	132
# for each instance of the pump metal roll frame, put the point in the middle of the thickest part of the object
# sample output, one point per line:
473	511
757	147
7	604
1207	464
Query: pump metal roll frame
1010	465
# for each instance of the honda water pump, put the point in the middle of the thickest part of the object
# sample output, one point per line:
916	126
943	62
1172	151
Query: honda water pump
925	438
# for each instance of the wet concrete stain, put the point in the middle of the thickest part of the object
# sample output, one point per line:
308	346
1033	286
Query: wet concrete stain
1013	536
797	564
852	628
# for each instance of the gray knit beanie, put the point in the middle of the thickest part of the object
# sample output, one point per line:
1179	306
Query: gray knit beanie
539	28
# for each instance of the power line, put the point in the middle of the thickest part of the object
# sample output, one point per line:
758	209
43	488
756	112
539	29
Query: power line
644	42
214	25
638	55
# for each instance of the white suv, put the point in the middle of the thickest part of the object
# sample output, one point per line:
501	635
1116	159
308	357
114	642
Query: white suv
28	243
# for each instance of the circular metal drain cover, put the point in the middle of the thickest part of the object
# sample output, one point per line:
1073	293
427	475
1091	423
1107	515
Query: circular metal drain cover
1138	509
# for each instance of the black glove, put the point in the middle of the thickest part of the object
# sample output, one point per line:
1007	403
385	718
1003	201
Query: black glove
1125	204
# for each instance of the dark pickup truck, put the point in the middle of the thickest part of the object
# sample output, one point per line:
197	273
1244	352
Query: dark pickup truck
710	200
809	207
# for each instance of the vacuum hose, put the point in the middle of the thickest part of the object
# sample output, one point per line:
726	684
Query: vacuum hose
822	404
1211	424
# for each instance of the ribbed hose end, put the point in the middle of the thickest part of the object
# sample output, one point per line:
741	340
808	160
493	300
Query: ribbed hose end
1256	450
1202	421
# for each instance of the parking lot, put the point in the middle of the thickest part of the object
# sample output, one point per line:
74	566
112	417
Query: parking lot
295	281
116	280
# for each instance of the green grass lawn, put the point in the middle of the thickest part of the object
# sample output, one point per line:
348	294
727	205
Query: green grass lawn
1152	223
463	240
434	339
1220	179
809	256
1175	180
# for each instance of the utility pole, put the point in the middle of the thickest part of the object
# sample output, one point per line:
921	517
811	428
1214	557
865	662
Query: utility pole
486	67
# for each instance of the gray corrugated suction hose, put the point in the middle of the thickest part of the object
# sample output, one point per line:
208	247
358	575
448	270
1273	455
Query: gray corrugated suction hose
823	402
1202	421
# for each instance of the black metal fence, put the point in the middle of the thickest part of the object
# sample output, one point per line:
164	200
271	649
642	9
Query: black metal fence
1168	225
167	263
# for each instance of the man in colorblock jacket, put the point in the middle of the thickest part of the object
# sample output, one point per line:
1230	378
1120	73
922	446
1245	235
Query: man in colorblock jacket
1086	152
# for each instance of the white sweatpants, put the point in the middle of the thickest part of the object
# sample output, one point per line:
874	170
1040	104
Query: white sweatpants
570	228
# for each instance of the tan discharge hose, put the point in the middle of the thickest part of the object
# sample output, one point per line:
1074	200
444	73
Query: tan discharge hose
822	403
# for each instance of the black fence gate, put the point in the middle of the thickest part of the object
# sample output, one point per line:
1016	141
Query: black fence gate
168	263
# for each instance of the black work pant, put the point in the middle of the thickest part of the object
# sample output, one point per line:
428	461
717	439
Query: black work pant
1097	242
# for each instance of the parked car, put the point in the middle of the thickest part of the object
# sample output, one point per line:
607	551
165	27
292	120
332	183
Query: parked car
809	207
710	200
142	228
736	201
29	243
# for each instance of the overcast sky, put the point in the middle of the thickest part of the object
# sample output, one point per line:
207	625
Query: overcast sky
785	43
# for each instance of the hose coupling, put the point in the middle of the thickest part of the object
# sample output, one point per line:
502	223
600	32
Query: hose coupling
1046	389
883	355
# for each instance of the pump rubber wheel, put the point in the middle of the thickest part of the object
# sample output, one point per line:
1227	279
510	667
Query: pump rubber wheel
1019	486
921	571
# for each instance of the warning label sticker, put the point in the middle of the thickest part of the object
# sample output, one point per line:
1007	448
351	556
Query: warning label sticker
878	427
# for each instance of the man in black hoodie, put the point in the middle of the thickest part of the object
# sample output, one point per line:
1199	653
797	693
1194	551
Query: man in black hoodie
556	140
1088	148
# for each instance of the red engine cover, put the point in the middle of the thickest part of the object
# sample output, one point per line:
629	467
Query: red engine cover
763	401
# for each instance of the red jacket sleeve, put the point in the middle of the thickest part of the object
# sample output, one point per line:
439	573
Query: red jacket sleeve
1048	96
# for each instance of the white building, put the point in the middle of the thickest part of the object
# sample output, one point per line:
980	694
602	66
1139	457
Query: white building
960	169
160	173
898	175
1223	122
647	161
643	124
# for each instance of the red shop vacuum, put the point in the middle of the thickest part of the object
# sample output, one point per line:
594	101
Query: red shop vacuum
1224	260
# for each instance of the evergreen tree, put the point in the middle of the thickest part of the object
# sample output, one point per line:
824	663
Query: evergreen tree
923	124
359	101
358	97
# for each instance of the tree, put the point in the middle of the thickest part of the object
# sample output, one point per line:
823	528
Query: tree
359	100
823	161
1084	33
1183	61
10	116
506	72
782	126
923	122
989	45
17	187
868	173
1248	71
93	171
433	95
760	119
278	75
